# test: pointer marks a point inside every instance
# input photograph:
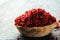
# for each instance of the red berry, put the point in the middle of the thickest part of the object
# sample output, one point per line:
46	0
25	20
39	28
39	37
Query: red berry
35	17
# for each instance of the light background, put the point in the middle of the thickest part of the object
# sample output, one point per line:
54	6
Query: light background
10	9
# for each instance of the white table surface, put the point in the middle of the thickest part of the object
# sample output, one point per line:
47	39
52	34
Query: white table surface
10	9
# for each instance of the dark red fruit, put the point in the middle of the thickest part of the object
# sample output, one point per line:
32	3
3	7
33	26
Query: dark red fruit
35	18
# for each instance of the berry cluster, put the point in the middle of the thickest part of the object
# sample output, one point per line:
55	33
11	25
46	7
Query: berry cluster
35	18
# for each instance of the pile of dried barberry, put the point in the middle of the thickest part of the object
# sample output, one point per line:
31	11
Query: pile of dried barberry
35	18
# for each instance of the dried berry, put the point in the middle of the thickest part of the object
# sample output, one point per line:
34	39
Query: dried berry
35	18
